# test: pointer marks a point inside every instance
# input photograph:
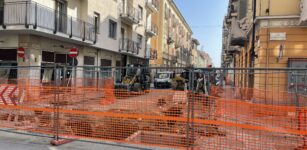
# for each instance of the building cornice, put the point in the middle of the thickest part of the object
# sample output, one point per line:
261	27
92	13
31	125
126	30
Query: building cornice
172	3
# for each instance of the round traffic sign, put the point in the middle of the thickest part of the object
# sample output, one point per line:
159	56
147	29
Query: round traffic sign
21	52
73	52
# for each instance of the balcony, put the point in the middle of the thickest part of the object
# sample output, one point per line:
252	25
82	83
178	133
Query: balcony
128	46
130	15
303	17
152	5
238	35
234	50
152	30
41	20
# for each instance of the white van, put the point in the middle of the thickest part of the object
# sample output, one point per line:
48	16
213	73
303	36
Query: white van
163	79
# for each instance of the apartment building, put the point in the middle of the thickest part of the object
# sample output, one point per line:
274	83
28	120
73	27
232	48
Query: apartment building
104	32
280	30
174	39
194	53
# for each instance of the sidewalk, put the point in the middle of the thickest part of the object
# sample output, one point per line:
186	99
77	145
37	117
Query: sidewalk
13	141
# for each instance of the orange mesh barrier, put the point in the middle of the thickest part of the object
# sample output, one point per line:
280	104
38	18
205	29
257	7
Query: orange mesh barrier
109	97
231	119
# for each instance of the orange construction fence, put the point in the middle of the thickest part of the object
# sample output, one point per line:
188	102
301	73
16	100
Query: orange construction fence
164	118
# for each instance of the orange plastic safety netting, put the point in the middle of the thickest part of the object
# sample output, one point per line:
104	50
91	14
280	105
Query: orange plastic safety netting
233	118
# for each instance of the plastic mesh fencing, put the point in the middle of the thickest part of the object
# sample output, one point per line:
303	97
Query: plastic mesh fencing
217	117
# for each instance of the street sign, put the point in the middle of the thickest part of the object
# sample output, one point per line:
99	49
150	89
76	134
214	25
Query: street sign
73	53
278	36
21	52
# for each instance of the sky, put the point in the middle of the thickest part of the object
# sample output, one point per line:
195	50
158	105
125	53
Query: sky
205	18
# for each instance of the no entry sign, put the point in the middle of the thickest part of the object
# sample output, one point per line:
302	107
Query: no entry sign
21	52
73	53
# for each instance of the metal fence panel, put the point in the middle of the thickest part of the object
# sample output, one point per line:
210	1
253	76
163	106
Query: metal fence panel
203	108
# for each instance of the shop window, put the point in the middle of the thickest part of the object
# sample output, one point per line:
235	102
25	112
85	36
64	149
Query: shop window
105	70
89	71
8	73
47	56
61	58
8	62
88	60
8	55
47	74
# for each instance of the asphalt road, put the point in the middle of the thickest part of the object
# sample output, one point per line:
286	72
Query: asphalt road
13	141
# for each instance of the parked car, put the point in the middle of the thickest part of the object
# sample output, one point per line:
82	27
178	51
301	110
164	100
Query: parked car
163	79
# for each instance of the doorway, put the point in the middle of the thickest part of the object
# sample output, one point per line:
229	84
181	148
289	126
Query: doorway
61	15
122	33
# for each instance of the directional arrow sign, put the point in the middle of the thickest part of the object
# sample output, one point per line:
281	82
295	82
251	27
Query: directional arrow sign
8	94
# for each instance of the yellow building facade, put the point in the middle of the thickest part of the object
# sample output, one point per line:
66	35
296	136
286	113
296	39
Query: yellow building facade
173	43
280	42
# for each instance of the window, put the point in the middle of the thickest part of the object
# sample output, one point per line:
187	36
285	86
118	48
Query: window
166	11
112	29
88	60
97	22
139	41
61	8
1	11
141	12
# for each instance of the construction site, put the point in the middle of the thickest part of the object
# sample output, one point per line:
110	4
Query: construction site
204	115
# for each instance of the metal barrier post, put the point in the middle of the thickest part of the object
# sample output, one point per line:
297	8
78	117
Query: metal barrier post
188	111
192	109
55	103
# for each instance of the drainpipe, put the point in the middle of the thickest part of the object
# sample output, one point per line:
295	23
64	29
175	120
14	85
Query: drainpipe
252	52
98	69
252	55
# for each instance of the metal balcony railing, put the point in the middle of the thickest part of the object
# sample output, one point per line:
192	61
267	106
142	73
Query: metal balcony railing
39	16
130	14
152	30
129	46
153	5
